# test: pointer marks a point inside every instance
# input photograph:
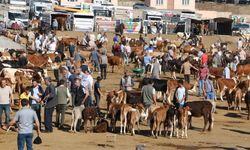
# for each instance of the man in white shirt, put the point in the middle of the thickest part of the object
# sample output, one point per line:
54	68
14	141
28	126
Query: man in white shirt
239	44
38	45
226	72
242	55
52	47
98	37
6	99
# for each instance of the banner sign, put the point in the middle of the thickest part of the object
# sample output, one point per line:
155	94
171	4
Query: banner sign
132	27
239	19
104	26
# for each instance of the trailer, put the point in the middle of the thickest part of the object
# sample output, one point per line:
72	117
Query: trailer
17	14
84	21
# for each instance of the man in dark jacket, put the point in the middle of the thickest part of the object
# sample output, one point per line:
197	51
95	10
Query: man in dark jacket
50	103
81	94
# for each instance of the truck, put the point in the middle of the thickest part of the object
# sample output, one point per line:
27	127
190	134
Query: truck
84	21
103	12
17	14
123	13
38	7
19	2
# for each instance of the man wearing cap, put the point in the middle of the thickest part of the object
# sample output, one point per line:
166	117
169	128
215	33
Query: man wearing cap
25	119
50	102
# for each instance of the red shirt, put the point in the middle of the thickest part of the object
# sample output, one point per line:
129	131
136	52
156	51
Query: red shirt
204	59
203	73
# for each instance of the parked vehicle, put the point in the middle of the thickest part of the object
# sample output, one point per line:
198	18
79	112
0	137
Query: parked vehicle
242	28
140	6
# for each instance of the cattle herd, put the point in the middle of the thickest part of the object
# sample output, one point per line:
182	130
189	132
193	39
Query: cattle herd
127	106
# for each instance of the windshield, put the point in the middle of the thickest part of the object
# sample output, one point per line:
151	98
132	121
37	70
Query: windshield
39	8
103	13
13	16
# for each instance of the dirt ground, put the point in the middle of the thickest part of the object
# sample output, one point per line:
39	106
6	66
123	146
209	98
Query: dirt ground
231	129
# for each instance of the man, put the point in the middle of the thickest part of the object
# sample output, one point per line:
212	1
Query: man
148	94
103	65
186	66
6	99
38	45
36	93
180	95
242	55
81	94
55	25
156	69
147	62
209	91
226	72
25	119
204	57
203	73
94	57
126	82
98	37
239	44
22	60
50	103
87	82
62	96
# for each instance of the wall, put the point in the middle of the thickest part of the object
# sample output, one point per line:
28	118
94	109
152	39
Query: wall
152	3
78	2
178	5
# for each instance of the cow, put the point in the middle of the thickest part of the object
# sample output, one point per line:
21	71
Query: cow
223	84
125	109
61	22
158	118
170	121
160	85
182	121
89	113
76	116
35	23
133	97
243	70
115	61
218	72
38	60
134	117
116	97
247	101
114	112
201	109
102	126
66	41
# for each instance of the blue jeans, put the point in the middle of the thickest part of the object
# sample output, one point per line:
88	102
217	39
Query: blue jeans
210	95
201	82
22	138
48	119
6	109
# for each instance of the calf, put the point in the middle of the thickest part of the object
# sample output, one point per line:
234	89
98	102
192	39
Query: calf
125	109
116	97
115	61
76	116
247	100
182	121
114	113
234	97
201	109
134	117
102	126
170	122
158	118
89	113
223	84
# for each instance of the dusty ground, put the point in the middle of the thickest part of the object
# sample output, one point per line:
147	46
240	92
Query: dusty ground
231	130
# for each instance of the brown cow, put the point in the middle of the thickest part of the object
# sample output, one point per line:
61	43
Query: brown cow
89	113
243	70
236	97
67	40
223	84
158	117
218	72
182	121
116	97
61	22
115	61
35	23
38	60
134	116
114	113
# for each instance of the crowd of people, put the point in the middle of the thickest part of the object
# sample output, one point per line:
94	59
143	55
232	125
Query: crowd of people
76	86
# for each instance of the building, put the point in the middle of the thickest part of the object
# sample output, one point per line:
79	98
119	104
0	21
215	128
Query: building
171	4
73	3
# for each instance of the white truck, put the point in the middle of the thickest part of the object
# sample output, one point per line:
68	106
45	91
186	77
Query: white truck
84	21
17	14
38	7
19	2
